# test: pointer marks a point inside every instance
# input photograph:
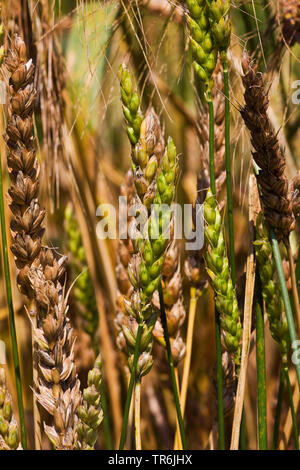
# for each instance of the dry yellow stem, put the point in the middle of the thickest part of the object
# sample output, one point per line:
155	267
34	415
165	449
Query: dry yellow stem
187	361
137	415
250	282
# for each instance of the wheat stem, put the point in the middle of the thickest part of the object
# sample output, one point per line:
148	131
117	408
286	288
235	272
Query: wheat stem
294	284
278	409
188	354
290	393
12	326
297	270
130	386
261	372
177	434
137	414
285	295
238	431
171	364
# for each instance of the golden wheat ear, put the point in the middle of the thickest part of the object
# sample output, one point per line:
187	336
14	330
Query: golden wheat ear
40	269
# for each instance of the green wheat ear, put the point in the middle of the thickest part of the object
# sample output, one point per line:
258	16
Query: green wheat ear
217	266
218	11
202	43
131	105
8	423
90	414
145	267
270	287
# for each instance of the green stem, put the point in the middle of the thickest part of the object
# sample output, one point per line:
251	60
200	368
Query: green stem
278	410
297	270
171	364
285	296
228	172
130	387
294	419
217	325
12	326
261	375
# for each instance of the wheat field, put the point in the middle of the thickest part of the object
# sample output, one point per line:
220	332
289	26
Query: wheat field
150	235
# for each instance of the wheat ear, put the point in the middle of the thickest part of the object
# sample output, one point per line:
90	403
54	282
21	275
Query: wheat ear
90	413
205	54
8	423
146	153
146	264
290	21
268	155
270	287
219	273
40	269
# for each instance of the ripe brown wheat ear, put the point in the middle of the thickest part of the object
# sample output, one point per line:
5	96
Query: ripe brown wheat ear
268	154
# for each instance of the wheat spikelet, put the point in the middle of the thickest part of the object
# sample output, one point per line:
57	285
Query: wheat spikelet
173	300
229	383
